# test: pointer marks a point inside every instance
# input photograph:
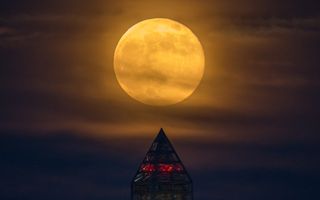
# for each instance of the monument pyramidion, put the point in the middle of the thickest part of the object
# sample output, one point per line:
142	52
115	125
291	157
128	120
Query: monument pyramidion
161	175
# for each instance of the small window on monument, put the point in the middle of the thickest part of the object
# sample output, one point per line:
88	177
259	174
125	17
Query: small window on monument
154	146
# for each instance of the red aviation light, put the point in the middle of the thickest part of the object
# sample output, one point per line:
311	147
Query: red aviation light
170	168
166	168
178	167
148	168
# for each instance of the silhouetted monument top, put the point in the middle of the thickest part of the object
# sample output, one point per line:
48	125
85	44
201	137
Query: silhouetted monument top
161	175
161	164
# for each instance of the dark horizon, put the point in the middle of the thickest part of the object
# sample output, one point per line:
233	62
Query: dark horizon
249	131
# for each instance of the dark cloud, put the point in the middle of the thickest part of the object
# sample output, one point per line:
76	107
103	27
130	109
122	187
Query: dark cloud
250	130
264	75
58	7
63	165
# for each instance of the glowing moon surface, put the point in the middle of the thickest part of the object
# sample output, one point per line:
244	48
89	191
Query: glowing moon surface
159	62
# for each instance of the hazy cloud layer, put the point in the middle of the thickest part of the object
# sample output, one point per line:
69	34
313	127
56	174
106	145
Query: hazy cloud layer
255	113
261	66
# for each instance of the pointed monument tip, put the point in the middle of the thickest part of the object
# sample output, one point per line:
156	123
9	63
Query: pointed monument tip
161	135
161	131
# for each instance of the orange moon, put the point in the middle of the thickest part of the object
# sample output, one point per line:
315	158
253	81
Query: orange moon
159	62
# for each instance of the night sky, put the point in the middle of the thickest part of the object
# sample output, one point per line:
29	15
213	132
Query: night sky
250	130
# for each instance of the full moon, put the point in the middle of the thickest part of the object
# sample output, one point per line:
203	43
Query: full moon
159	62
